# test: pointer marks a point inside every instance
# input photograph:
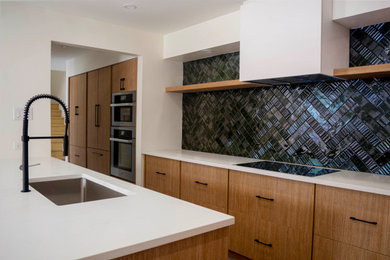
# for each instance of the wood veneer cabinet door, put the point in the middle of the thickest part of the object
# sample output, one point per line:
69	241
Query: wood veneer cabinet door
204	185
353	217
77	155
162	175
78	110
327	249
277	213
99	99
98	160
124	76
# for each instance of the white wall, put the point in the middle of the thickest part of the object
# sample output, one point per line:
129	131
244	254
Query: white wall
26	32
58	84
218	35
353	14
93	60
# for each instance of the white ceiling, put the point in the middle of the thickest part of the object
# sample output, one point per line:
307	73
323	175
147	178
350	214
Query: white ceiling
160	16
61	53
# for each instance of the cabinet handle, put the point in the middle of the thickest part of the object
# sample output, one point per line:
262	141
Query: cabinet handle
161	173
97	115
122	84
76	110
364	221
201	183
264	198
76	155
258	241
100	154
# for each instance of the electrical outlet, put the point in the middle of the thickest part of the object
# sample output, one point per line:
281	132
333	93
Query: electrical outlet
17	146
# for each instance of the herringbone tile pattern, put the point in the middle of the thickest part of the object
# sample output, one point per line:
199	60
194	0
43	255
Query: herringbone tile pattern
370	45
340	125
217	68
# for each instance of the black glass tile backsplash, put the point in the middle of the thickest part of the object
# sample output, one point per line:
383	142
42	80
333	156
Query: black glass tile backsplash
344	124
370	45
217	68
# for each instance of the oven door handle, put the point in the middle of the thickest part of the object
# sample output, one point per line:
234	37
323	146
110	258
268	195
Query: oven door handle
123	105
121	140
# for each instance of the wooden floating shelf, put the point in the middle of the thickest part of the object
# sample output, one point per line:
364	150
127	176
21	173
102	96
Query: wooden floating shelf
213	86
370	71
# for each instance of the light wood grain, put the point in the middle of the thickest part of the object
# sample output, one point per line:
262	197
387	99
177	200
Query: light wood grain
162	175
77	155
213	86
78	103
208	246
125	70
327	249
57	129
285	221
214	195
335	206
99	99
92	100
370	71
98	160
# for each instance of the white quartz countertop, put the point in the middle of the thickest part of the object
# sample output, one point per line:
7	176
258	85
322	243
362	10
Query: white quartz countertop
33	227
360	181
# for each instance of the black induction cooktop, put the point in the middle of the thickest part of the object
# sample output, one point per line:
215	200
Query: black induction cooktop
308	171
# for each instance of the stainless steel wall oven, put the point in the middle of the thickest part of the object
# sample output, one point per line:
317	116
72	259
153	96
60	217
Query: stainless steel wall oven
123	107
123	153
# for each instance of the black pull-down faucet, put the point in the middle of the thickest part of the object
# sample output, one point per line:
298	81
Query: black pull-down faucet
26	138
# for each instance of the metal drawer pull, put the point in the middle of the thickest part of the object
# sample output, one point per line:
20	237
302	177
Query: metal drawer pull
100	154
364	221
258	241
161	173
264	198
122	84
76	155
202	183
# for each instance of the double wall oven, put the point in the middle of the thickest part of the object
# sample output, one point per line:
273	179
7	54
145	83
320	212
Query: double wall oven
122	139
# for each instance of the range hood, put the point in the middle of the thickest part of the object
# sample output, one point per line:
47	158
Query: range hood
291	42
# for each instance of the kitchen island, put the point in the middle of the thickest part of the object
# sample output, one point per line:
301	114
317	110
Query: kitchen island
143	223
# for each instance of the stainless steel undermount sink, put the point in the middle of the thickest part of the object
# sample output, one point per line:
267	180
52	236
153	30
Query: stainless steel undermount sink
74	190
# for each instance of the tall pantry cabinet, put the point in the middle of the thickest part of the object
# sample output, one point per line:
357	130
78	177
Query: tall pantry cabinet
98	127
90	112
78	119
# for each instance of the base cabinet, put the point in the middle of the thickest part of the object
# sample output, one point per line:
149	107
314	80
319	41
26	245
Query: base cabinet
162	175
328	249
356	218
274	217
98	160
208	246
77	155
204	185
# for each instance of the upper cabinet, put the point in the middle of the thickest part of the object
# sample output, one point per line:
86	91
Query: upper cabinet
355	14
124	76
290	41
78	110
99	99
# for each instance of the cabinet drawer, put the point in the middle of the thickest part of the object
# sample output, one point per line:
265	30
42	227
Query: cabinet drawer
272	211
77	155
357	218
162	175
327	249
98	160
204	185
